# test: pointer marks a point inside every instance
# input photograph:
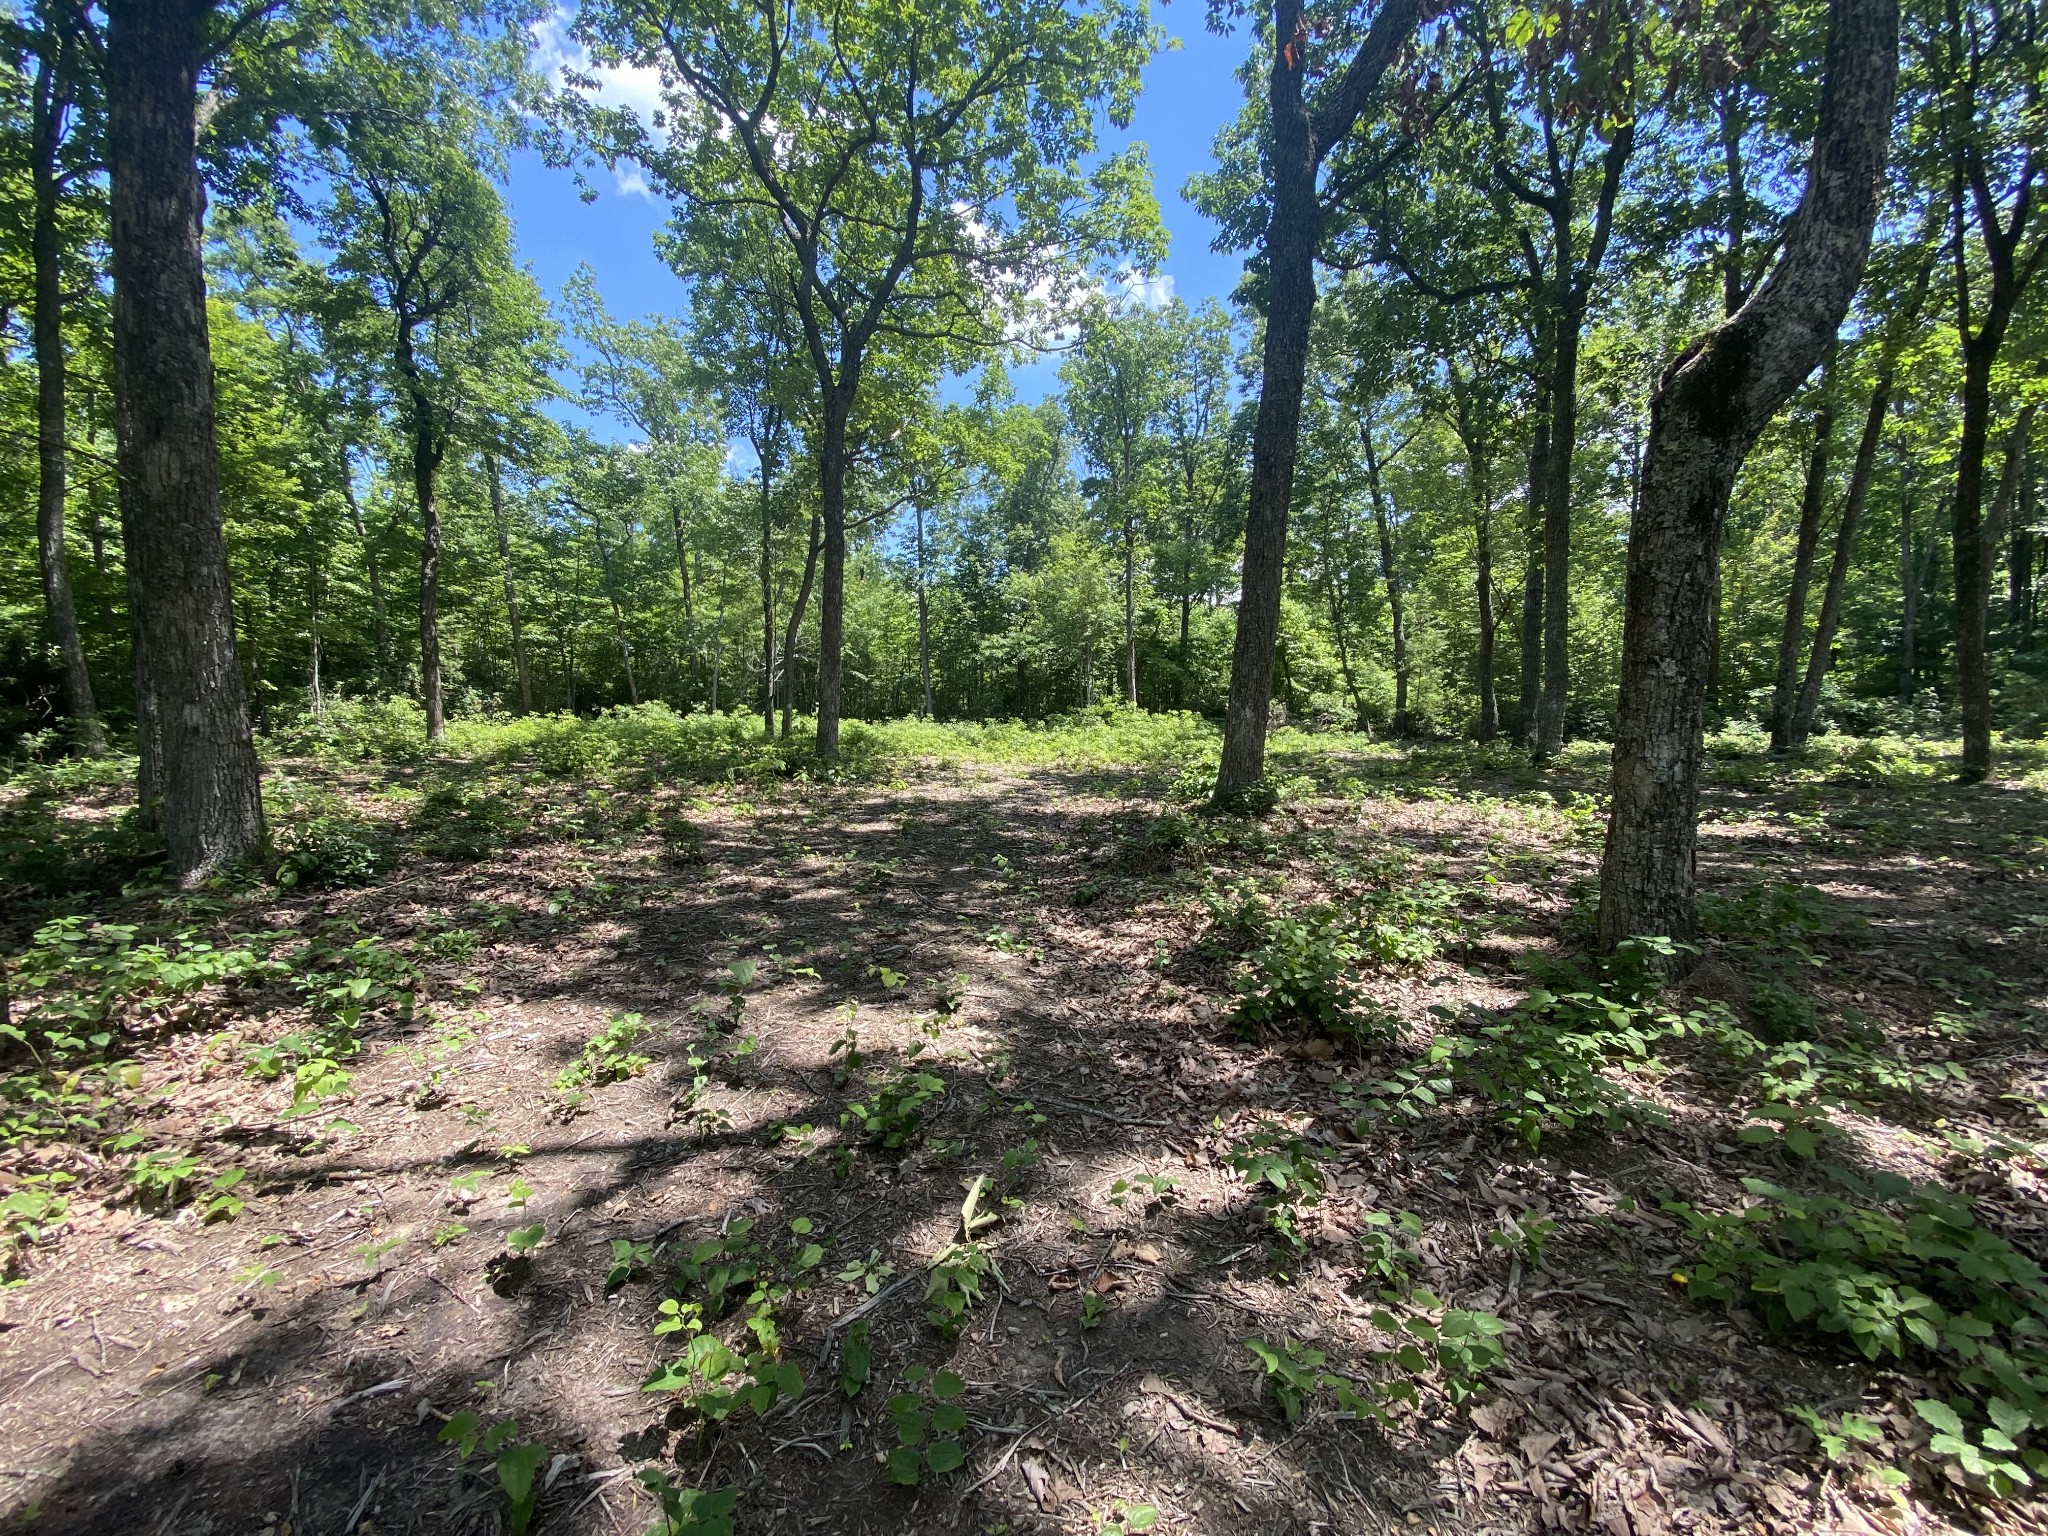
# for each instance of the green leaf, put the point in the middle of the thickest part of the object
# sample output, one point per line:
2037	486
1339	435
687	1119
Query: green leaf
1939	1414
904	1466
945	1456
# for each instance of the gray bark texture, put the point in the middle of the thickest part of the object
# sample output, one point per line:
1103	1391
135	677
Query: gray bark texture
197	751
1706	414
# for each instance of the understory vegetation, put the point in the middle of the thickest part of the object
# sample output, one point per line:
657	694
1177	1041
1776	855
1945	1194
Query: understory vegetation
639	1096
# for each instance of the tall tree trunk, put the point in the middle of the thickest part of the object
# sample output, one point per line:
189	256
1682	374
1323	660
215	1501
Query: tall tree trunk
767	575
46	327
1706	413
924	626
2019	568
498	518
1130	608
1557	537
197	731
315	583
1482	577
1531	670
1389	573
832	590
373	572
611	592
796	619
675	518
1812	503
1821	657
1299	142
429	446
1909	597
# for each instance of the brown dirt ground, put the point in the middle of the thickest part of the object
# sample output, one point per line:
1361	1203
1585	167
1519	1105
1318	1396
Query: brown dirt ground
149	1387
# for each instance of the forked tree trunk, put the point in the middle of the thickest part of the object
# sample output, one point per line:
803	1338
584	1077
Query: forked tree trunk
46	329
197	750
1706	414
1812	503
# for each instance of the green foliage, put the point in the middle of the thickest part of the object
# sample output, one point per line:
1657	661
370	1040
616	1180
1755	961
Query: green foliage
1451	1351
1900	1271
609	1055
31	1213
319	840
517	1463
1285	1176
892	1116
928	1423
689	1511
465	822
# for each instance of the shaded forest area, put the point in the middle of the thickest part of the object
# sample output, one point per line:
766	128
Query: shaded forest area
1414	902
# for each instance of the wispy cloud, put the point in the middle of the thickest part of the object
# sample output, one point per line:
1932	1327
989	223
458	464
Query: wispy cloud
634	87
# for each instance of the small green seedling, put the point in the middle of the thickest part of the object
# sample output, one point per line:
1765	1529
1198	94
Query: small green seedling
928	1424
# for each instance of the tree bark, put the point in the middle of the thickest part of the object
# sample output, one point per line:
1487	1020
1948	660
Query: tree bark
373	571
50	103
519	664
1478	469
198	751
762	453
924	627
1390	573
611	592
1812	503
832	589
1300	140
796	619
1821	657
1531	678
1705	415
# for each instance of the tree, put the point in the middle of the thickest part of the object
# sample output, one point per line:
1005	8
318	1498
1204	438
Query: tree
923	170
1979	68
198	778
1706	413
60	144
423	253
1320	82
1116	381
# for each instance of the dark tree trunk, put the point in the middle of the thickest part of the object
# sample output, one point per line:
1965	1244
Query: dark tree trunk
1531	677
498	518
924	627
796	620
1130	542
767	573
1478	468
1300	140
1390	573
832	589
675	518
1822	655
429	446
1706	413
1812	503
1557	538
198	753
46	328
1909	597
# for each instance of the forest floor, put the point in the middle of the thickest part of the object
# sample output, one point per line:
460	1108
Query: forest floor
950	1089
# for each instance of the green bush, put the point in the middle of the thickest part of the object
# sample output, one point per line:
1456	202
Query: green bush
392	730
318	839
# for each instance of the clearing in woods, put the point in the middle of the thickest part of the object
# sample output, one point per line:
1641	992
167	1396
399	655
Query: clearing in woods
985	1141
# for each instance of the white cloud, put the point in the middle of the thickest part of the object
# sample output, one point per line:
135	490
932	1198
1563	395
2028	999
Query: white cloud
636	87
1154	292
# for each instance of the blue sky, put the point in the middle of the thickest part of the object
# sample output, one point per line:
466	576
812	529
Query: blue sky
1190	92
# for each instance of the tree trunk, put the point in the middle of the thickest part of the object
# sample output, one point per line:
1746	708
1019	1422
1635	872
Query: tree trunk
1909	597
832	591
767	574
1821	657
611	592
1557	535
1482	576
796	619
2019	568
924	626
1972	578
372	571
1812	502
1531	672
46	327
314	583
1705	415
198	751
498	518
1389	573
675	518
1292	235
1130	608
